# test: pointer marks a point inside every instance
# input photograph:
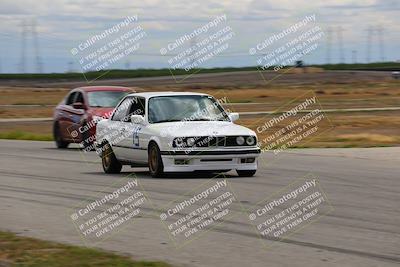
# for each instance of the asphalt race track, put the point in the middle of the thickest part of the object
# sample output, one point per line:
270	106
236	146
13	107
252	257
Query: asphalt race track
39	185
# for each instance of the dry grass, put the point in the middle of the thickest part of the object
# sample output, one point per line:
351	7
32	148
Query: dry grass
344	129
366	137
360	129
355	95
29	127
37	96
26	112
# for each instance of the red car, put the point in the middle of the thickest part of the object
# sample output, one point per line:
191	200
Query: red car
75	118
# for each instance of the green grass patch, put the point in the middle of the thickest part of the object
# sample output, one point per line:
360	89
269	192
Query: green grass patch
383	66
136	73
29	252
116	74
22	135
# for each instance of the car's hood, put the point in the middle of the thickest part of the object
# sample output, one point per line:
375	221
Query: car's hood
200	128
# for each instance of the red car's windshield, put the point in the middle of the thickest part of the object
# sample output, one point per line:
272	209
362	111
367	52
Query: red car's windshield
105	99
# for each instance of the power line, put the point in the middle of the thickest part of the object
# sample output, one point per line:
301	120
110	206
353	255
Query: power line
127	64
39	66
339	32
328	45
70	66
375	34
354	56
380	31
22	63
369	40
193	46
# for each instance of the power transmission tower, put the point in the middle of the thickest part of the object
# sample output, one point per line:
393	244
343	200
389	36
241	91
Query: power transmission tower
39	66
369	40
193	46
380	31
22	63
339	32
328	45
70	66
354	56
127	64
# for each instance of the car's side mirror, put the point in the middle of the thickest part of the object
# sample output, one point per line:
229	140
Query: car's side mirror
234	116
78	105
138	119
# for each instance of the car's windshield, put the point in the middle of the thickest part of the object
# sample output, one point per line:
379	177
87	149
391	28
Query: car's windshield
185	108
105	99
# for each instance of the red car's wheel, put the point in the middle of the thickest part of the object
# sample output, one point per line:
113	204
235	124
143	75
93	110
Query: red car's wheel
60	143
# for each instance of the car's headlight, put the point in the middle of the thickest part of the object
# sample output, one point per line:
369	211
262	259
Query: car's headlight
240	140
178	142
190	141
250	140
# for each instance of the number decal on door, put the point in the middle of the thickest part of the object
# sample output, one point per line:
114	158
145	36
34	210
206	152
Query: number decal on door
136	136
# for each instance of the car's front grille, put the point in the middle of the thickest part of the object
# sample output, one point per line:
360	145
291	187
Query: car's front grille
211	141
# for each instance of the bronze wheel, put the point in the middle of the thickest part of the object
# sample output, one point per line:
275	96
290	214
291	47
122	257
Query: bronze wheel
156	167
109	161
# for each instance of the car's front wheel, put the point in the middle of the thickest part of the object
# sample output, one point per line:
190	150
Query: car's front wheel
246	173
60	143
109	161
156	166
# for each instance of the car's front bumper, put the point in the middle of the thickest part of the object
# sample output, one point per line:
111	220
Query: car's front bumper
187	161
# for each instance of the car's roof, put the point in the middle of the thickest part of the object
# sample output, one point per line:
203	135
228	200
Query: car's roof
105	88
164	93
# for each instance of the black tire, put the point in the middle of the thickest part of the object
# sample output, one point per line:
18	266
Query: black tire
109	161
246	173
60	143
156	166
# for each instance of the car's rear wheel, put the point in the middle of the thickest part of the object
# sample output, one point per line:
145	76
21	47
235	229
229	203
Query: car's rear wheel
109	161
60	143
246	173
156	166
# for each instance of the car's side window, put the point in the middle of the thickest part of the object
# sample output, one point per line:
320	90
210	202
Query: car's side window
138	106
70	98
120	113
79	97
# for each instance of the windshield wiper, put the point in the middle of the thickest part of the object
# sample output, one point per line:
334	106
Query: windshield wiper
169	120
207	119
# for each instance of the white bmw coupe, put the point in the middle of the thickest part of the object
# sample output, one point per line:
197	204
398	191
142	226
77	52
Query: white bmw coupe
175	132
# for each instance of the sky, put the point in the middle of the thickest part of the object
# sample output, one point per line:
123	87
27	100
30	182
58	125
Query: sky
64	24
